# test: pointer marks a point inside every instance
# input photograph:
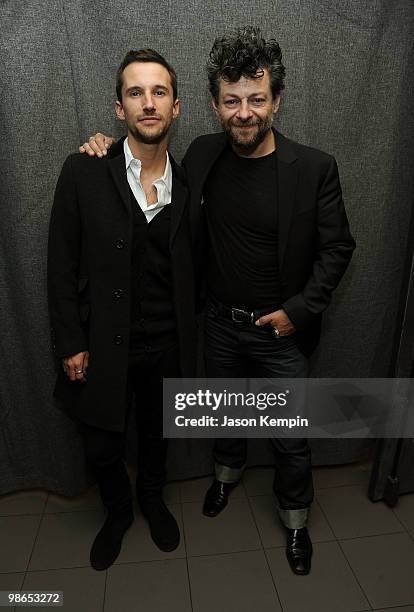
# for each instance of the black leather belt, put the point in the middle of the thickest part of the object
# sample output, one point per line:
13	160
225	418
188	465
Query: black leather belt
238	315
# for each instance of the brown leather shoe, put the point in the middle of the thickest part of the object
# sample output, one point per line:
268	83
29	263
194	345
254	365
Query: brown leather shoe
299	550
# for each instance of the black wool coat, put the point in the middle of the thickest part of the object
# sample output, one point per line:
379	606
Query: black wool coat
314	241
89	282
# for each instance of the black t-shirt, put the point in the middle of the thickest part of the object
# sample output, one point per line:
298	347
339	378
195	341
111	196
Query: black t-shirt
241	209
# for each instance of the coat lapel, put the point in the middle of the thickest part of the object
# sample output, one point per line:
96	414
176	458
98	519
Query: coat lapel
178	199
207	164
118	171
208	157
287	171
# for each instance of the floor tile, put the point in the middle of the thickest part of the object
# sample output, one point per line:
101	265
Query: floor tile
23	502
65	539
272	532
341	475
10	582
404	510
17	536
138	545
90	500
265	515
384	567
351	514
151	587
319	528
195	490
258	481
399	609
330	587
237	582
83	588
232	530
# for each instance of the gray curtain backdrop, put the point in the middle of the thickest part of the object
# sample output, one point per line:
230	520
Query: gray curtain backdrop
349	91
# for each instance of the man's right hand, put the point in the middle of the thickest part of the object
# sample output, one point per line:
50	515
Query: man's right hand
76	366
97	145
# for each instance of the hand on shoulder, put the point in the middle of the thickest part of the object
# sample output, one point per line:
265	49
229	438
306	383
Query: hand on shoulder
97	145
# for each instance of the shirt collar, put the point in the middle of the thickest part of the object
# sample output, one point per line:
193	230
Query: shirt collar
165	179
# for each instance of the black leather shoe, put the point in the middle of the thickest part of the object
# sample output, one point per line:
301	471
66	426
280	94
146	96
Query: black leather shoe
217	497
299	550
163	526
107	544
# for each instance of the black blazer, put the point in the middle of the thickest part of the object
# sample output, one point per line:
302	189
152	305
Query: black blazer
89	260
314	241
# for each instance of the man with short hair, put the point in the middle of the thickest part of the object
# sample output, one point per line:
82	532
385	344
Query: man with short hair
121	293
278	244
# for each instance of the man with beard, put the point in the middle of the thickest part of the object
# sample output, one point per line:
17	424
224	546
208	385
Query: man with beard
121	292
278	243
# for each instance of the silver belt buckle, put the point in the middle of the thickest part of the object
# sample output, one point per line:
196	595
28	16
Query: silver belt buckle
238	311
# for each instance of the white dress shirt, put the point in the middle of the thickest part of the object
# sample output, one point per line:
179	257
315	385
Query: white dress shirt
163	185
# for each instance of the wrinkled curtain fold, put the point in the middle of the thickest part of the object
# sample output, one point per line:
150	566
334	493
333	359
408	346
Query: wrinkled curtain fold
349	91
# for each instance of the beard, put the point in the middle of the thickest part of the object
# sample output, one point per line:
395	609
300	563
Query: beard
149	135
249	141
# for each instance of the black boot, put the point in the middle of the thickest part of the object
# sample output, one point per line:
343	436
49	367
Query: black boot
217	497
163	526
107	544
299	550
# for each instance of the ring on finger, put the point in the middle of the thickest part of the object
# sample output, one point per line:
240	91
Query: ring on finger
276	332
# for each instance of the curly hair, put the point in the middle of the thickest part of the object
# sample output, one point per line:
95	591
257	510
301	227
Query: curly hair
245	53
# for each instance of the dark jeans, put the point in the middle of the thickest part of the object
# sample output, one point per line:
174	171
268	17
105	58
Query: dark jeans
244	350
105	449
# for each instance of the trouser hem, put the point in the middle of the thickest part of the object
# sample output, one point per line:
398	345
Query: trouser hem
294	519
227	474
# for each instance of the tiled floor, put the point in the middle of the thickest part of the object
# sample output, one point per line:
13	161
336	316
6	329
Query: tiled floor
363	552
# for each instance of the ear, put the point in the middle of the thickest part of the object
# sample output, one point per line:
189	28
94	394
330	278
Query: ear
119	109
214	105
276	103
176	109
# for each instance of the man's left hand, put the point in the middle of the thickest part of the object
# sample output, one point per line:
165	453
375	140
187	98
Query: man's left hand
278	320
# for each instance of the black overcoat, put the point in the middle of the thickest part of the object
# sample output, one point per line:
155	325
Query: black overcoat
89	282
314	241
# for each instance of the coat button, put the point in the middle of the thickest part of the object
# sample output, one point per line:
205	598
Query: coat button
120	244
118	339
118	293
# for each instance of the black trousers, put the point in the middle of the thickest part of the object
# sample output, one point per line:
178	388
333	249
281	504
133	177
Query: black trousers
105	449
236	350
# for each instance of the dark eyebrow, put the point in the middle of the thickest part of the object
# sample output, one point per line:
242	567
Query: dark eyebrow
139	87
253	95
133	87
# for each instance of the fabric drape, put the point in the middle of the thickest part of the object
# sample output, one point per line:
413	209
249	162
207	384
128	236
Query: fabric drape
349	91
